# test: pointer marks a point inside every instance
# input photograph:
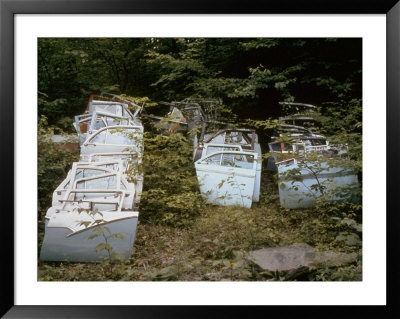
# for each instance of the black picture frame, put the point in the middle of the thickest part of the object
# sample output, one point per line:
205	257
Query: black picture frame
8	9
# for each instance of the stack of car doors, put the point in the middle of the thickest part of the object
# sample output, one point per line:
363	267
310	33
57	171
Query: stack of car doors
173	122
94	211
228	166
287	139
184	116
308	167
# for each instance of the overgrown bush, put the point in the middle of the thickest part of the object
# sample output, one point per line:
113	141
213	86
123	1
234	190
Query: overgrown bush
170	195
54	162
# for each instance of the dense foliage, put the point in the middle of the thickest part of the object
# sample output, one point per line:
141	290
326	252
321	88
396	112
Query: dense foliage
54	162
250	75
171	193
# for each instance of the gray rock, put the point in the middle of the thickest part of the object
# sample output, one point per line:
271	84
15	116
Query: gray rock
296	256
71	138
350	239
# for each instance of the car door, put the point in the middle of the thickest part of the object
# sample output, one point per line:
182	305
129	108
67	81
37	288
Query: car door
109	107
212	148
227	178
101	119
114	139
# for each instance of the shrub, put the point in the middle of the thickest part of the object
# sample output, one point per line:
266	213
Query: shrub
170	195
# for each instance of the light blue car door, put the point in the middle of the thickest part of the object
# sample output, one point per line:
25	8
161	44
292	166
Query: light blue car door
101	119
227	178
212	148
113	140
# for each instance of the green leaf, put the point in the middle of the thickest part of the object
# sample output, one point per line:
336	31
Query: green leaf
103	246
100	247
221	183
226	263
85	223
117	235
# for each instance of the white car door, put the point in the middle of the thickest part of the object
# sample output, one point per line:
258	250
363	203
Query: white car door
114	139
212	148
227	178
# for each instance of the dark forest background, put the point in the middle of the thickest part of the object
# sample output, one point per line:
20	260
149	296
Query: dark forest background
250	75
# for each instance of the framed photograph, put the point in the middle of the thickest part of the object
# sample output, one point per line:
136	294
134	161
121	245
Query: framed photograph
179	50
